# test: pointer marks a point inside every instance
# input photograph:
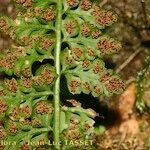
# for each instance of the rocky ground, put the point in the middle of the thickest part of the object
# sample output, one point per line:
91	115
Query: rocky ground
126	128
129	129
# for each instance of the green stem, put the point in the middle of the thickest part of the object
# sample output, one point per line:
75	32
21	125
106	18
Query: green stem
57	83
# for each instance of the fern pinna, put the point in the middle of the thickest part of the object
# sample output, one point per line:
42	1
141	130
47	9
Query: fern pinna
63	37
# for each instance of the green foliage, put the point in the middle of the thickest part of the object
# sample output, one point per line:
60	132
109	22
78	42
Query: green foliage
143	87
29	101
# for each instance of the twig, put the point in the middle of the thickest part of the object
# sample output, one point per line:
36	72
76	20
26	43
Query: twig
130	81
127	61
124	6
144	12
103	3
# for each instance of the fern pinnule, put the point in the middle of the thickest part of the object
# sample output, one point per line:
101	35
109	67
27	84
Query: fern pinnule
72	3
55	40
86	4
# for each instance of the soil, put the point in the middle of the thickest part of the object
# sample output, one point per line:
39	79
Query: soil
126	128
129	130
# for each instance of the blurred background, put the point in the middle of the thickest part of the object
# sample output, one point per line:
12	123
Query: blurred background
125	128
